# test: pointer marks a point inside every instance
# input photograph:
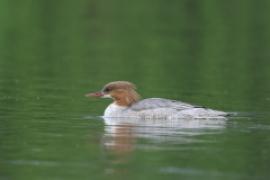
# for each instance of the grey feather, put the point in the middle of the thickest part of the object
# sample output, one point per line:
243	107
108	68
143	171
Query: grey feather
153	103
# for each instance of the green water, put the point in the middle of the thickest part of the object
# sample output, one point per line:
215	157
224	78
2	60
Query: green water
212	53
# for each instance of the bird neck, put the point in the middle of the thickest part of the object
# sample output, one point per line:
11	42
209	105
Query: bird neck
126	98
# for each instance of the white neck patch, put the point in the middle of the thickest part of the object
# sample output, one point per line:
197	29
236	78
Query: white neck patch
107	96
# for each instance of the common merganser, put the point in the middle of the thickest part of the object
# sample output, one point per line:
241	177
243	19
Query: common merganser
127	103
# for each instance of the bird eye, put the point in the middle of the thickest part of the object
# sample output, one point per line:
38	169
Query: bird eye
106	90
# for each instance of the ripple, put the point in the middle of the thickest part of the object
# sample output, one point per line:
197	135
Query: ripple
198	172
36	162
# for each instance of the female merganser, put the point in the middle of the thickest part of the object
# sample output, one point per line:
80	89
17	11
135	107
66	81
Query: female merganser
127	103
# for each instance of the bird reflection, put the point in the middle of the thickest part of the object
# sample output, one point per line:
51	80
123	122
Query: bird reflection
121	133
121	136
119	139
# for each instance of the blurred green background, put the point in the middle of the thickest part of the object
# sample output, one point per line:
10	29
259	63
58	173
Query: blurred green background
190	45
52	52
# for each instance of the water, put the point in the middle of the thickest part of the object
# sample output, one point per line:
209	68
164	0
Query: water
214	54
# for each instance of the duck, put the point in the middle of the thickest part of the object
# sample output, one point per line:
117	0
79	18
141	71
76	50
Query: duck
128	103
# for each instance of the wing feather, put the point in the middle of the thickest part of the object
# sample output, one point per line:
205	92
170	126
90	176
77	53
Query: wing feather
153	103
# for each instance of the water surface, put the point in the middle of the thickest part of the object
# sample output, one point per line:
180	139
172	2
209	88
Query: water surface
214	54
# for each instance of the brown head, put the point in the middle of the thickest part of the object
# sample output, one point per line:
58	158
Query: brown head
122	92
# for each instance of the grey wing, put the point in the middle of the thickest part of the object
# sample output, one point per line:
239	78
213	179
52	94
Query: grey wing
153	103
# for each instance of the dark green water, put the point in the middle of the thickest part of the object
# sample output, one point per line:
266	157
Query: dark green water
212	53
